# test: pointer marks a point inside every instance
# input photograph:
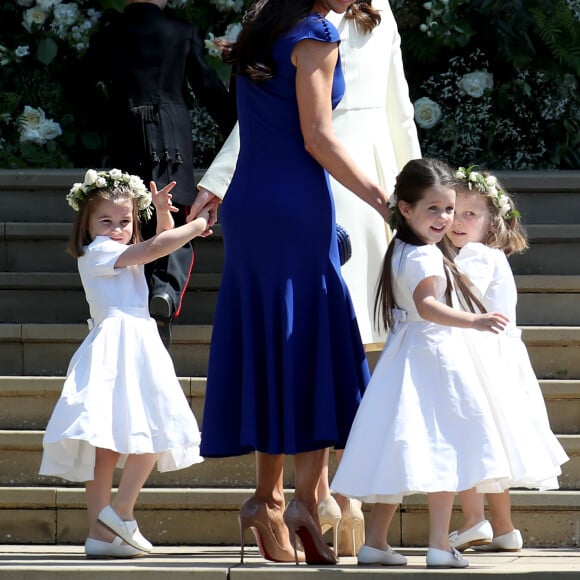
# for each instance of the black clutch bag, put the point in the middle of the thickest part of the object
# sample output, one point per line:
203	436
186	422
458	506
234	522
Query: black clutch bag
344	245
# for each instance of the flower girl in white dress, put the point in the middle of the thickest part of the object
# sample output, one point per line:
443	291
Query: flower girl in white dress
485	230
121	402
424	411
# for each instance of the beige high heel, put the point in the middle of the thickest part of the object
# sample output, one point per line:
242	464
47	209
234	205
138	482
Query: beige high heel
256	515
329	515
352	529
301	523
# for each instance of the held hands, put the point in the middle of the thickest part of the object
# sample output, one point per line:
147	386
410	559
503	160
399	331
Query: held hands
493	322
204	198
205	215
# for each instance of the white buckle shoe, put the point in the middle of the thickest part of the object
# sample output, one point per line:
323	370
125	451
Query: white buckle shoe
367	556
115	549
510	542
127	530
437	558
479	535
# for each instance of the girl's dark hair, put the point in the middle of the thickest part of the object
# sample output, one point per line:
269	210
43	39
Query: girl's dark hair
80	235
263	24
413	181
364	14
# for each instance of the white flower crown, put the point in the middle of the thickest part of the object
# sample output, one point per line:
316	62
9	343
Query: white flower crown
94	180
488	184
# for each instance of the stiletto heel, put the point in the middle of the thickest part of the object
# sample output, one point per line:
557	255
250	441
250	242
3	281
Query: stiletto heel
301	523
254	515
352	529
329	515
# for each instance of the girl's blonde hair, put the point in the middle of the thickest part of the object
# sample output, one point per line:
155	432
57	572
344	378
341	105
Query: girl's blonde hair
506	231
416	177
80	235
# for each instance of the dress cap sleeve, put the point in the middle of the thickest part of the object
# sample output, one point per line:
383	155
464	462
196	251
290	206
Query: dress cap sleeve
476	261
316	27
101	255
425	262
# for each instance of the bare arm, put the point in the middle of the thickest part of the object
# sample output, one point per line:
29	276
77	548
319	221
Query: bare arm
315	63
429	308
163	243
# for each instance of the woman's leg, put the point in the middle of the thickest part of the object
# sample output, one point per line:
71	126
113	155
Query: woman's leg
98	492
323	489
308	467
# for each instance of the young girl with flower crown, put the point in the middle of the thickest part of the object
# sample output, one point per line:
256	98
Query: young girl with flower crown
486	228
121	402
424	412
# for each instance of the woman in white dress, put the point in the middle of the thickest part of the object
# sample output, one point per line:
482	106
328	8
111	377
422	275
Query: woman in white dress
374	121
485	230
424	411
121	403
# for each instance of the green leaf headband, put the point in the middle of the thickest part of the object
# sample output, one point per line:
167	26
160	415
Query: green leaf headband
488	184
94	180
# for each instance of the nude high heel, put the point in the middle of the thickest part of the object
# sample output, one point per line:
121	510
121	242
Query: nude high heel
301	523
254	515
352	529
329	515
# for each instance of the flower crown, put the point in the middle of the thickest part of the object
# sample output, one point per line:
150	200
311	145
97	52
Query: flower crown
392	202
488	184
94	180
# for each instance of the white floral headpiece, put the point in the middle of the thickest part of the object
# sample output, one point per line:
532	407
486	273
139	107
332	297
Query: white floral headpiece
94	180
488	184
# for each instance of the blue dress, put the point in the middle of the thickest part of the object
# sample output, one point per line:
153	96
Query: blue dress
287	367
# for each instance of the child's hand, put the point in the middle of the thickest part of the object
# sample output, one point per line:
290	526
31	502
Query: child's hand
205	215
493	322
162	199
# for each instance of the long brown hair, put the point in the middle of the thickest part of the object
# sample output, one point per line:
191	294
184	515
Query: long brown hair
416	177
80	235
364	14
264	22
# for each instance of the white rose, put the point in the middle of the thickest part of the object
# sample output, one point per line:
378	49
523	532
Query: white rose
491	180
31	135
34	15
66	14
47	4
473	176
22	51
115	174
503	201
31	118
460	173
475	83
492	190
50	129
101	182
427	112
91	177
136	184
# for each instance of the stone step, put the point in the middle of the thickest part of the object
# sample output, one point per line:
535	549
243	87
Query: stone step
26	402
544	197
51	297
553	250
21	453
208	516
41	247
46	349
65	562
56	297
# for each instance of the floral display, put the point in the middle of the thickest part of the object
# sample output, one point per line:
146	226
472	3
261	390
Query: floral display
495	82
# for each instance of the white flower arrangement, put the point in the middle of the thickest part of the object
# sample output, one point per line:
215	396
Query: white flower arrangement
94	180
476	83
36	128
488	184
427	112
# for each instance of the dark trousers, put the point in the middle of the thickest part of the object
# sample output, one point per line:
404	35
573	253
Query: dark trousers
170	274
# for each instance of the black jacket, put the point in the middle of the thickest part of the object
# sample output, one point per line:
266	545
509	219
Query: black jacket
146	60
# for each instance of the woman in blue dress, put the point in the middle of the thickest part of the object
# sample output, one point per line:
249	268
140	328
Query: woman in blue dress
287	367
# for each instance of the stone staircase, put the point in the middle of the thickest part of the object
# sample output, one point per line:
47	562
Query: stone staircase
42	321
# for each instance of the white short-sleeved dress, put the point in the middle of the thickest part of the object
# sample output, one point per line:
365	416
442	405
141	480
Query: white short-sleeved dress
424	424
502	361
121	391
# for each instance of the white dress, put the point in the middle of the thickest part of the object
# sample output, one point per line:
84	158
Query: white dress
121	392
424	424
534	452
375	122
